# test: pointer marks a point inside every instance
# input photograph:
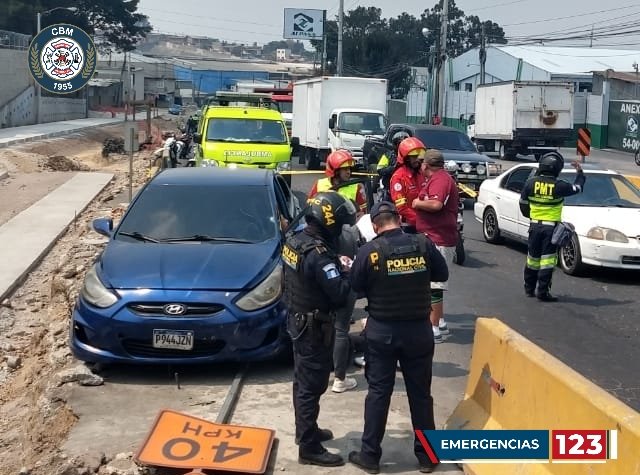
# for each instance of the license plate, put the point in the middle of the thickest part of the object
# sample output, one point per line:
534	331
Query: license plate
173	339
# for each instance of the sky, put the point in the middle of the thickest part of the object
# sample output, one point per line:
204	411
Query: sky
261	21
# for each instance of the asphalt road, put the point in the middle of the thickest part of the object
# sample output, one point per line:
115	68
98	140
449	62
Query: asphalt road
594	328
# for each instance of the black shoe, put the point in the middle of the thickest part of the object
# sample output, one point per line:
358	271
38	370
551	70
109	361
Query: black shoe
369	467
547	297
427	467
323	436
529	293
323	459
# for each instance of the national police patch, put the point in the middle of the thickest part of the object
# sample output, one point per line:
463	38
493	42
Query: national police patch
62	58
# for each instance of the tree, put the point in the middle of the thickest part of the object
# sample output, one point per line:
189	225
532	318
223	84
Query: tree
376	47
113	23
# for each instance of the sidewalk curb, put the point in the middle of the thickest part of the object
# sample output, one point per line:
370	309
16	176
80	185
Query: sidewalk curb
60	133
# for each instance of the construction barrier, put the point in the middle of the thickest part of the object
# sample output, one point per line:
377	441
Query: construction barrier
514	384
633	179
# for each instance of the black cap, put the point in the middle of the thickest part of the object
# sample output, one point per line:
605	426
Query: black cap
382	207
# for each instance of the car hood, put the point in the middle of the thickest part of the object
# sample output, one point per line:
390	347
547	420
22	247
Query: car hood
625	220
198	266
460	156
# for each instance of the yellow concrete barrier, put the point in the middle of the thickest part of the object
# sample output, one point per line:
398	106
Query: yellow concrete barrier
514	384
633	179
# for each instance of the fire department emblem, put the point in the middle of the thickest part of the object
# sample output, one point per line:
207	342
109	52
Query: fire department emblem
62	58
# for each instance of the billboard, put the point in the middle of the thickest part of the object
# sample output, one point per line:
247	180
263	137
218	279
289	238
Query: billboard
624	125
301	24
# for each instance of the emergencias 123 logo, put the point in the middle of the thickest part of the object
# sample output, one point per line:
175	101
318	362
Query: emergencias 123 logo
62	58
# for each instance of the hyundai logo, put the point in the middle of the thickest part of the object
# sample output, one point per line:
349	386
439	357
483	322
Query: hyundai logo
174	309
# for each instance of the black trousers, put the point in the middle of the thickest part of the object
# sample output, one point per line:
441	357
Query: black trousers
542	257
411	343
312	365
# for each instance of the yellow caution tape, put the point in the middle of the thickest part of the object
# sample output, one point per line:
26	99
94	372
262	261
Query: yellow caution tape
320	172
467	191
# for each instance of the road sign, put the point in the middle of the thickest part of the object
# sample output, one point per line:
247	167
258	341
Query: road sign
584	142
181	441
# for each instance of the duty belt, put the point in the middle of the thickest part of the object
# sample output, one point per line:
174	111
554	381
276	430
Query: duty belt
309	321
546	223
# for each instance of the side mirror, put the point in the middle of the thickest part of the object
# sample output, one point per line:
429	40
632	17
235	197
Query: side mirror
103	226
481	148
295	142
197	138
472	120
332	123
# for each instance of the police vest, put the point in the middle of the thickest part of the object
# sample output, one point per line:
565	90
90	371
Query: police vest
544	205
301	292
350	191
400	287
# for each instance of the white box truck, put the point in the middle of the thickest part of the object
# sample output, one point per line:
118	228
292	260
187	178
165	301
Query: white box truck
522	117
331	113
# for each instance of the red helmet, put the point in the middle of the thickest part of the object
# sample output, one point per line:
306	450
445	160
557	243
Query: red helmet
409	145
338	159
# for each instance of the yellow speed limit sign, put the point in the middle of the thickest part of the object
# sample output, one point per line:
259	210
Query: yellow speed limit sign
181	441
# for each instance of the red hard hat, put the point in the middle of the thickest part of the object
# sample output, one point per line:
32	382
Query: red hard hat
338	159
407	146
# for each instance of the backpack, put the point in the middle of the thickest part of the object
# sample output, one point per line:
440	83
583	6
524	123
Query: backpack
562	234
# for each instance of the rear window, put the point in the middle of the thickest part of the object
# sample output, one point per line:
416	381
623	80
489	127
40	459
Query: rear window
174	211
445	140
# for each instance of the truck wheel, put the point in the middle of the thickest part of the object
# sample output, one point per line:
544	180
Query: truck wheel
313	163
490	228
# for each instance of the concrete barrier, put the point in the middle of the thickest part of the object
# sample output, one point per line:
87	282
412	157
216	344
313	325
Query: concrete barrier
514	384
633	179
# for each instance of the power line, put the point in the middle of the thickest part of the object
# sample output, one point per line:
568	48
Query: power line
496	5
544	20
224	20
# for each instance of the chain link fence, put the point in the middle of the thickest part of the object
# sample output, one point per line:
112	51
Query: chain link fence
12	40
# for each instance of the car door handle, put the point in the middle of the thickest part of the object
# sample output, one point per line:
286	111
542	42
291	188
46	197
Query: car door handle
497	197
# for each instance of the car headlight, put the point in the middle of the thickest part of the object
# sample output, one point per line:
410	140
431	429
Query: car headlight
607	234
451	166
481	169
94	291
266	292
494	169
233	166
466	168
283	166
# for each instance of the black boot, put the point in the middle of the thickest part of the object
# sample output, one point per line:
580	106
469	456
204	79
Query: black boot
323	459
323	436
369	467
547	297
529	292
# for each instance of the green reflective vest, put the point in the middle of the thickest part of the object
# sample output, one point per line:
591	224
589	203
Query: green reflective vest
544	204
350	191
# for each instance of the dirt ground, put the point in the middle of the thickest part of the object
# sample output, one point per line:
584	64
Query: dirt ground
35	363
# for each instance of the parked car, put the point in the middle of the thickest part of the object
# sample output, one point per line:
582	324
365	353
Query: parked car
175	109
191	274
473	167
606	216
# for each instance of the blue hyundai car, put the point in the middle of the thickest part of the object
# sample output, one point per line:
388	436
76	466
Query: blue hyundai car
192	273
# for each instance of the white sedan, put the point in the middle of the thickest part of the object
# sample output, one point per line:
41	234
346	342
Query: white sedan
606	216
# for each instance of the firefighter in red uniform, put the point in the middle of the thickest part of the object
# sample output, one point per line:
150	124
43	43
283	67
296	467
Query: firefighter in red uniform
338	170
407	180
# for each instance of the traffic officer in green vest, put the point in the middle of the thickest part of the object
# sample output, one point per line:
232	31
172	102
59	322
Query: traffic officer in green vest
541	201
338	170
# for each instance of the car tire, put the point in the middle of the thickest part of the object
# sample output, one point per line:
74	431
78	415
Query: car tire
490	229
570	257
460	255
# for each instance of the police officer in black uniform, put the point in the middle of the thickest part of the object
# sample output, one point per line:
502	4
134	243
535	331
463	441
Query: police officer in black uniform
541	201
394	271
316	284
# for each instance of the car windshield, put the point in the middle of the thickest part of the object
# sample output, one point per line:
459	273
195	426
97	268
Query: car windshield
366	123
603	190
174	213
445	140
246	131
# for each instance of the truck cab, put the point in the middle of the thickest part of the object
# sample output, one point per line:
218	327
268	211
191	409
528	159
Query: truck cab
348	129
243	136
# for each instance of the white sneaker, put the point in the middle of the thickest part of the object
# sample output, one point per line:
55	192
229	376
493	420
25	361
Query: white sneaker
437	336
359	361
342	385
443	327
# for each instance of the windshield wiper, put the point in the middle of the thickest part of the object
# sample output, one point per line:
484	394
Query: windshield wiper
270	142
205	238
139	236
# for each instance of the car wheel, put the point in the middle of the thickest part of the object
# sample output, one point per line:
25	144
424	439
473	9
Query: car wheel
490	228
571	258
460	255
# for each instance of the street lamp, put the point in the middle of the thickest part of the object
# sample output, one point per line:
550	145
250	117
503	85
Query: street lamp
38	28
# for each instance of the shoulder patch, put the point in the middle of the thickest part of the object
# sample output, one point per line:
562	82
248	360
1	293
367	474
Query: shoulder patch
331	271
397	187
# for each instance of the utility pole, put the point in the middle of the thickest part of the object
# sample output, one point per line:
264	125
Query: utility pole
324	42
591	40
443	57
340	24
483	54
38	88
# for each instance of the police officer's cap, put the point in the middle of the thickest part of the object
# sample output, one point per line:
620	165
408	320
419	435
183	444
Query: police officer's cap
382	207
